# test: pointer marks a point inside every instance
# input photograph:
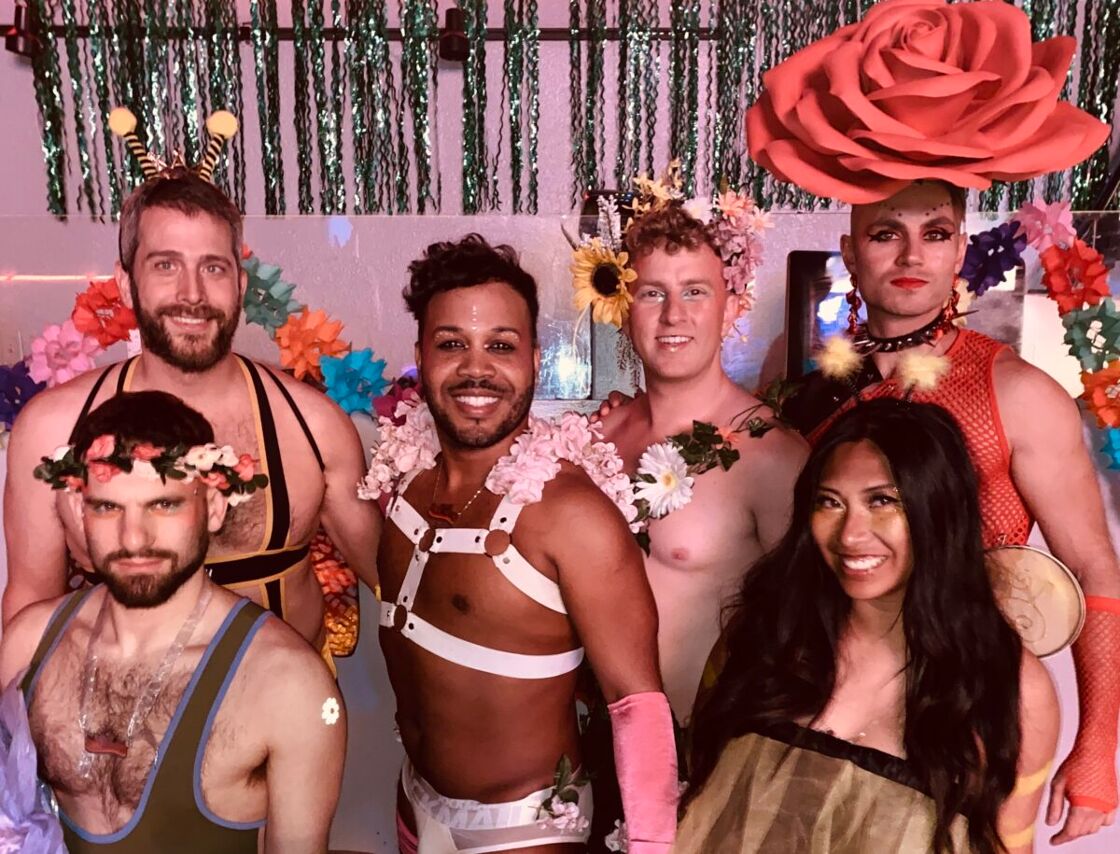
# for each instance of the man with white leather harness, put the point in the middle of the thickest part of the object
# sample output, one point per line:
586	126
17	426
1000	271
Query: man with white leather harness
504	561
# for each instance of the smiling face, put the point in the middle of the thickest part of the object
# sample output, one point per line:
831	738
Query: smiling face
860	525
905	252
147	538
680	311
186	287
478	363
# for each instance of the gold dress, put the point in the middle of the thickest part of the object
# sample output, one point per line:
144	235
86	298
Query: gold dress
794	790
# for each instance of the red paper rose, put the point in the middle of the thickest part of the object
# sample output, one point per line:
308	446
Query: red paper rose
1074	276
100	313
921	89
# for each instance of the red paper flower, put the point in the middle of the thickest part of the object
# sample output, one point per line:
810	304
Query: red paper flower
921	89
101	447
304	338
1074	276
1102	391
100	313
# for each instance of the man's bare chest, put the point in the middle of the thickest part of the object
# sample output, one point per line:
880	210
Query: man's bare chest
62	727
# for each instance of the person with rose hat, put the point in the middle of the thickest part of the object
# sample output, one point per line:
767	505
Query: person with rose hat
898	115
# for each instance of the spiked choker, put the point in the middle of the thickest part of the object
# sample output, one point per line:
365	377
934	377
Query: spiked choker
865	343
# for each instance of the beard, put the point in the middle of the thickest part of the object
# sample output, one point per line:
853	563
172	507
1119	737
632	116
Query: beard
150	590
476	437
194	356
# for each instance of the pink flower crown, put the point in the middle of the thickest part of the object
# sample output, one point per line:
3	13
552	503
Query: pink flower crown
732	220
233	475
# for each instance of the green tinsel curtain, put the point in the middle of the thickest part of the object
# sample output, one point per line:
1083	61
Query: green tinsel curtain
362	98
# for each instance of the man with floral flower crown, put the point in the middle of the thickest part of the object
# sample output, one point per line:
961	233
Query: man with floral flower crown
682	275
506	558
180	272
898	115
168	714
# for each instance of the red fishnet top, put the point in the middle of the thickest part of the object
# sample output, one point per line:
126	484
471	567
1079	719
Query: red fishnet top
968	393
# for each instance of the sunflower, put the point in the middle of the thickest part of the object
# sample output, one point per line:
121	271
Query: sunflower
600	277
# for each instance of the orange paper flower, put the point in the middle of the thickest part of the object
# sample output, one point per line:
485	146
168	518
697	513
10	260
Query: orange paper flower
306	337
100	313
1102	391
1074	276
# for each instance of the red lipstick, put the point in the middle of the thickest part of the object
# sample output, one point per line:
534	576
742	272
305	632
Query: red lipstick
909	283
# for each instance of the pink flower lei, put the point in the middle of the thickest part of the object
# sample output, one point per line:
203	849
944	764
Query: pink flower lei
533	461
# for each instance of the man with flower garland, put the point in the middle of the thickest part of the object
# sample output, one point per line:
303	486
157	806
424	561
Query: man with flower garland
505	557
707	530
180	270
139	689
954	96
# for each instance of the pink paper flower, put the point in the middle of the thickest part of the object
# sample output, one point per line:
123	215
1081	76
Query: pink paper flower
246	467
103	472
101	447
60	354
1046	224
145	452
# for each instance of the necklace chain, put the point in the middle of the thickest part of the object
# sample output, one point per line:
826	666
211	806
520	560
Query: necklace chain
450	516
146	700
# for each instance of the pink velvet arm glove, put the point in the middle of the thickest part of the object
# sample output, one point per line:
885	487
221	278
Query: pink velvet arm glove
645	756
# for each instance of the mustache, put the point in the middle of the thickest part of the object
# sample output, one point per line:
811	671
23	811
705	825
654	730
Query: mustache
143	554
203	312
478	385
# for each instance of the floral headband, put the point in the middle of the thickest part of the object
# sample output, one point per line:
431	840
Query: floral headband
221	126
601	268
222	468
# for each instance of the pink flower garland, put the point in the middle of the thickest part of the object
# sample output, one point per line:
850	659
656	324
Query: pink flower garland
533	461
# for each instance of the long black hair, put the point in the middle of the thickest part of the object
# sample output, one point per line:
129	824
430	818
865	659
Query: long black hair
961	732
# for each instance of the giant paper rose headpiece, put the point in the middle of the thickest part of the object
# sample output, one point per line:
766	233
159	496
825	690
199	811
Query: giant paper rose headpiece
921	89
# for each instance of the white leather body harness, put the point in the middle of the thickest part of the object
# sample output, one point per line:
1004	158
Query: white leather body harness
495	542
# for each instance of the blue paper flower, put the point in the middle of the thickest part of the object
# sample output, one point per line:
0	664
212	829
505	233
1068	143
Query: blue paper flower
268	298
354	380
1093	334
16	388
991	254
1111	447
27	821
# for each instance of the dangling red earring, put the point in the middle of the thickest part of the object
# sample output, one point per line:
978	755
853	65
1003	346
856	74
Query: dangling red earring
952	308
854	303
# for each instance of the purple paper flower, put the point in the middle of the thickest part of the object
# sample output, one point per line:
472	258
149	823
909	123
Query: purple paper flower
16	388
991	254
27	821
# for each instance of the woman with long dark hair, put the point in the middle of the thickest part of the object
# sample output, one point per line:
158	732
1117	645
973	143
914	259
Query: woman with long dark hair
874	698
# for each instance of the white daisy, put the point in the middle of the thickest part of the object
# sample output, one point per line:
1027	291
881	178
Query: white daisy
671	488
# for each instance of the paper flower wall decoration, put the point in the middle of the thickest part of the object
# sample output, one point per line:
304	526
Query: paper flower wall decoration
991	254
1111	447
1074	276
1102	392
354	380
100	312
16	388
1093	334
305	338
61	353
1046	224
268	298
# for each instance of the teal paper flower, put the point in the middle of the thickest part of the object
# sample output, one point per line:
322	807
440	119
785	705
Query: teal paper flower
268	298
1093	334
354	380
1111	447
